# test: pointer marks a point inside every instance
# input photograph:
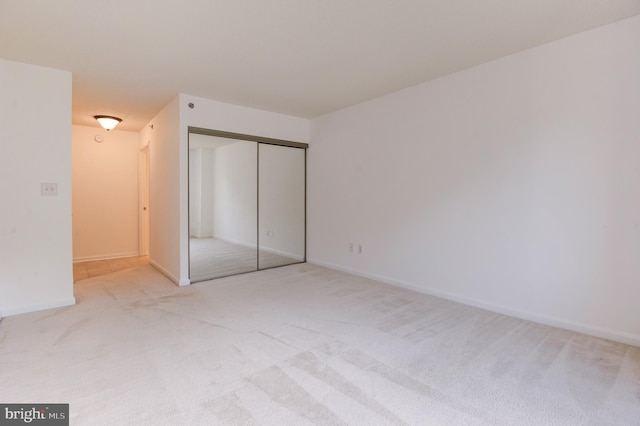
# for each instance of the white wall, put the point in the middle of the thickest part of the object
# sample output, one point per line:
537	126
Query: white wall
164	190
230	118
195	193
105	193
201	192
514	185
207	189
235	205
35	147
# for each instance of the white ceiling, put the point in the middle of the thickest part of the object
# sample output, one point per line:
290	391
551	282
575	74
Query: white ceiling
298	57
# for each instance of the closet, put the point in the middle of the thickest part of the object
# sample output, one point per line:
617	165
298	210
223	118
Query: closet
247	201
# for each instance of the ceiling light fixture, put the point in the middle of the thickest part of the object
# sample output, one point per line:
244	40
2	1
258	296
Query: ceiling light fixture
107	121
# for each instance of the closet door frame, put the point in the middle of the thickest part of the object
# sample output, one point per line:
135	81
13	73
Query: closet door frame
259	140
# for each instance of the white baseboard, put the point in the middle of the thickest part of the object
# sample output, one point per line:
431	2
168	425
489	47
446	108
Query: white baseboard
602	332
234	241
52	304
262	248
169	275
105	256
283	253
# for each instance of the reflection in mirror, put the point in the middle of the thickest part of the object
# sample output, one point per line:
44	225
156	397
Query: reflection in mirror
281	205
222	207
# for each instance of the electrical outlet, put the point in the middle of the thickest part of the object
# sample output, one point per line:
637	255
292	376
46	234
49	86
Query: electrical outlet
48	189
359	248
351	247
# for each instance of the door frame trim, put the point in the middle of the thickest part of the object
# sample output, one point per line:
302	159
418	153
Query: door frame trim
252	138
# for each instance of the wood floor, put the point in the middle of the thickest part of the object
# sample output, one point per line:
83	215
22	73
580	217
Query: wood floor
95	268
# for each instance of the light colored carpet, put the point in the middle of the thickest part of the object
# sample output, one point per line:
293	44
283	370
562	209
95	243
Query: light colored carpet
213	258
305	345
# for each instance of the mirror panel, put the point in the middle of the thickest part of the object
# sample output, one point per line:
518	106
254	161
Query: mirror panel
222	207
281	205
246	203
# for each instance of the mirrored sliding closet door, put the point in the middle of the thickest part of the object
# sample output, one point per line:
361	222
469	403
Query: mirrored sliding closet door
246	204
281	205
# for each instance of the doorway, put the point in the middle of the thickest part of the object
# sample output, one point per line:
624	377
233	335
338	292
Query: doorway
106	175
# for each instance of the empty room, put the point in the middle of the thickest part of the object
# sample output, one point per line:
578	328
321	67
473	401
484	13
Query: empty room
300	213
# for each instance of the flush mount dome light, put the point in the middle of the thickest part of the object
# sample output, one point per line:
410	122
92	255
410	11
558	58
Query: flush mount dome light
107	121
